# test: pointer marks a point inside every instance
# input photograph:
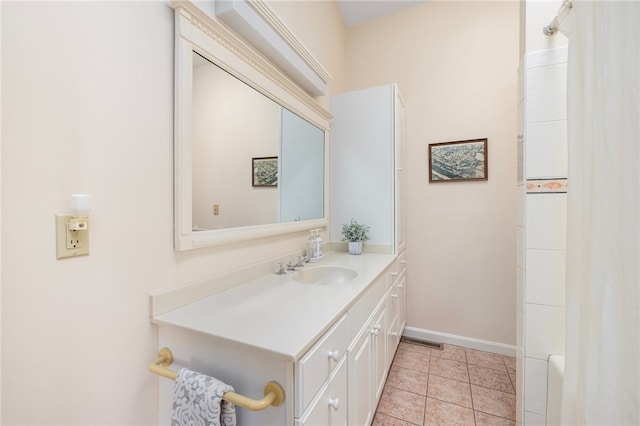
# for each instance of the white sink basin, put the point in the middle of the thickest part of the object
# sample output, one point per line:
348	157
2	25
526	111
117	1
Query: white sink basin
324	275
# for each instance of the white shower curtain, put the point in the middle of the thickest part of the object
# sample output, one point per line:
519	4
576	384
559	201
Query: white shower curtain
602	370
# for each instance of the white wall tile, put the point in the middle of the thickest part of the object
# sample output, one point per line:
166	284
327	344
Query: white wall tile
545	277
520	246
521	192
546	149
533	419
535	386
544	330
520	321
546	221
520	329
520	289
547	57
521	145
546	93
519	385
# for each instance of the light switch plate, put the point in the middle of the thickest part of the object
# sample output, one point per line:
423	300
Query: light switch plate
70	243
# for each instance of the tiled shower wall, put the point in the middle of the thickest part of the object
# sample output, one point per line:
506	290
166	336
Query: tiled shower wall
542	204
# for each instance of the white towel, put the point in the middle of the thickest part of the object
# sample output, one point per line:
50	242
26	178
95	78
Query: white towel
197	400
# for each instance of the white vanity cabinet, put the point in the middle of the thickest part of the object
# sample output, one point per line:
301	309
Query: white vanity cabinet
367	165
328	345
321	379
397	302
330	406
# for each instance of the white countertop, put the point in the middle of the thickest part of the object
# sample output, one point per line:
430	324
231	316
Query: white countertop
275	313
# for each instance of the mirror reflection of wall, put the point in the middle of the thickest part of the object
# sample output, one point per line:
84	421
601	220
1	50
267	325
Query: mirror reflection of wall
301	189
233	123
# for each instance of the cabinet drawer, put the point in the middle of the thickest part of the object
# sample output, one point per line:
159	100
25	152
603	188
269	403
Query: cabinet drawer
330	407
360	312
316	365
392	301
402	262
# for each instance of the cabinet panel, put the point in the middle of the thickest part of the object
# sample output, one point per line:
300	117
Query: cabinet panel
367	121
330	407
392	301
402	303
379	345
392	341
399	129
317	364
360	312
360	380
402	261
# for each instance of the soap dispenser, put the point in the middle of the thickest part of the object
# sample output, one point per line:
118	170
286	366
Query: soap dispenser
319	244
311	245
316	248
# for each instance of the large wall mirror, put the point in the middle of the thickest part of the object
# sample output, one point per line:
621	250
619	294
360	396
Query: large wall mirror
250	151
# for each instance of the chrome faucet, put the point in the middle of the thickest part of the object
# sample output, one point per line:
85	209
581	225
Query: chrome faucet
282	268
301	261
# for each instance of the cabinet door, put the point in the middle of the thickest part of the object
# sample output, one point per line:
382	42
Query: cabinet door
402	303
330	407
318	363
363	122
360	380
379	345
399	130
392	320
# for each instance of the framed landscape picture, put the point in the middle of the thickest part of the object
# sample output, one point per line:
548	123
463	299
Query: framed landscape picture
264	171
458	161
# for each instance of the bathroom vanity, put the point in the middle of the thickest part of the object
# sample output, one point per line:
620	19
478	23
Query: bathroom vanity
329	344
328	332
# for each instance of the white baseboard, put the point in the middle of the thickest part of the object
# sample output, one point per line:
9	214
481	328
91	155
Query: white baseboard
467	342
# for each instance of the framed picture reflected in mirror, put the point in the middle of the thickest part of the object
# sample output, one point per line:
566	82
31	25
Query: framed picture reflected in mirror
264	171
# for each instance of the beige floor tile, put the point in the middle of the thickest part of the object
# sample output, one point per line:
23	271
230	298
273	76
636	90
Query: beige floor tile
409	380
455	353
455	380
485	359
412	360
439	413
449	390
513	380
494	402
484	419
450	369
402	405
490	378
384	420
510	362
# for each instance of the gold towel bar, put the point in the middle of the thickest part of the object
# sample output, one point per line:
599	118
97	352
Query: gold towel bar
273	392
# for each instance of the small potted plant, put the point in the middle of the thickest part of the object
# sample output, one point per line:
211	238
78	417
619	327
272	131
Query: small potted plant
355	233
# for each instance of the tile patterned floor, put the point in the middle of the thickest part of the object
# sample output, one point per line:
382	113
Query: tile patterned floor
453	386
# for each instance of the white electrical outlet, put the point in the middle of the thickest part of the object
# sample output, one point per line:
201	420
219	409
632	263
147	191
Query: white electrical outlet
69	242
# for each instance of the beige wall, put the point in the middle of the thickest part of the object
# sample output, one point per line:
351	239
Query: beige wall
456	65
87	106
318	24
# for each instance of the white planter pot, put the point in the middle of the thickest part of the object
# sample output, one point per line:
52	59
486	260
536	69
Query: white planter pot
355	247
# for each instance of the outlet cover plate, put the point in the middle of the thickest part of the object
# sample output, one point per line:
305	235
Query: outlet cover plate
70	243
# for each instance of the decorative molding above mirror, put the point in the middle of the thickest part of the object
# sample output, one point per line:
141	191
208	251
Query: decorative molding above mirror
202	40
255	21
